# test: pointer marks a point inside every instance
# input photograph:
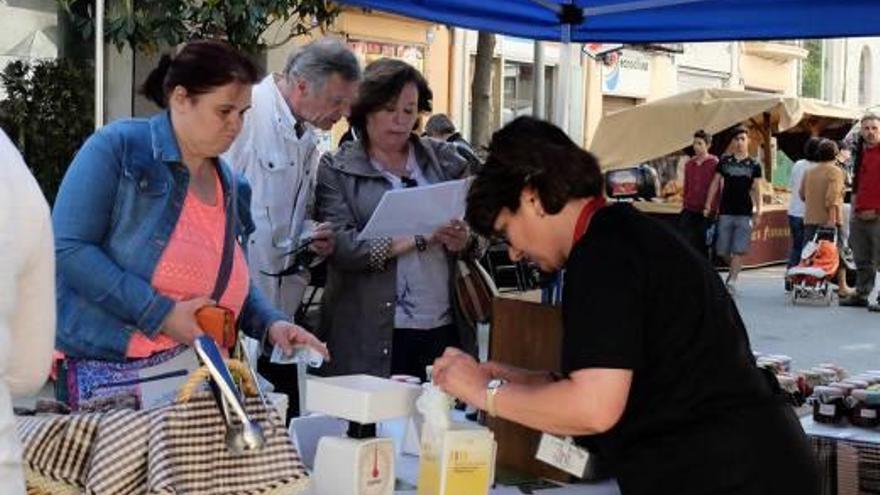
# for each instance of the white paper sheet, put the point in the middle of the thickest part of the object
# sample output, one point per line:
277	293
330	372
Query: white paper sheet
417	210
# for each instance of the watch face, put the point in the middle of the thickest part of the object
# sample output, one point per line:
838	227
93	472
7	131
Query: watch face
376	469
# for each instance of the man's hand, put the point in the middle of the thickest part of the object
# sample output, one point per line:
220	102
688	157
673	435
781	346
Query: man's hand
459	375
323	240
181	324
286	335
453	236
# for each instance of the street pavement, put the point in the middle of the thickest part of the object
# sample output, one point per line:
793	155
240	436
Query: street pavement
810	334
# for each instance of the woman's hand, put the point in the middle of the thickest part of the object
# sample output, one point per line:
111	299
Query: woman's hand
286	335
453	236
181	324
459	375
323	240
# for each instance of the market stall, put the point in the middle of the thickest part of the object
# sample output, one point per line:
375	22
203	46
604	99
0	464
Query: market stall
780	121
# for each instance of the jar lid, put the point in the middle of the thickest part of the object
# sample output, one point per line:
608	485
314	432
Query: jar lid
871	397
857	383
846	387
781	357
827	393
859	394
828	374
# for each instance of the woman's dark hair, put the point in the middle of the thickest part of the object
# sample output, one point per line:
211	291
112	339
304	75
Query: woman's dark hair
530	152
741	129
199	67
383	81
826	151
705	136
810	147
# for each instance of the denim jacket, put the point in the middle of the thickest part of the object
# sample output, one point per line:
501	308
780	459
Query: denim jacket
118	204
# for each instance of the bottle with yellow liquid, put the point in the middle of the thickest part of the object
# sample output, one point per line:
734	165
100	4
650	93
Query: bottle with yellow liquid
456	458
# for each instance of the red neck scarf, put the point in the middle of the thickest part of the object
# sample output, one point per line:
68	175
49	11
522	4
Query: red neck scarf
587	212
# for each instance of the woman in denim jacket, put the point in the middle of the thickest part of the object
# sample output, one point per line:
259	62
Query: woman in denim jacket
140	222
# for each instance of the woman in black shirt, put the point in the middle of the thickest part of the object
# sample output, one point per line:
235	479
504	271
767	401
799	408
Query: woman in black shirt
658	376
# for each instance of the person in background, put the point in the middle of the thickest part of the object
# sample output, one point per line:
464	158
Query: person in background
658	378
698	174
140	222
27	301
864	226
388	307
844	162
277	152
440	127
821	190
739	179
796	204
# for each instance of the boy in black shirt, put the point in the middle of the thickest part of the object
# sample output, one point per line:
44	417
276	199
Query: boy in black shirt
739	178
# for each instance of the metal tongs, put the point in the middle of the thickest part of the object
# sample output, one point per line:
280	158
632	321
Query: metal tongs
243	437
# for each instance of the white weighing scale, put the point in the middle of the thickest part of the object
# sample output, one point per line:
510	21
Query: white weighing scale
358	463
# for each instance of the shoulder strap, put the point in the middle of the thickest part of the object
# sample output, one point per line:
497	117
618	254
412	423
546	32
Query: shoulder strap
228	239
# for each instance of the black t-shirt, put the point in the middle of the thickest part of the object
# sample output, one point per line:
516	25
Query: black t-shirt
635	297
738	178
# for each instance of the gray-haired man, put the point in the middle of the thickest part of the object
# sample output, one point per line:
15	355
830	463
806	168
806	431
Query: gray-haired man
277	153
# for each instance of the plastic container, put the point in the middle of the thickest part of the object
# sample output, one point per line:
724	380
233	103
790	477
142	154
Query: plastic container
864	408
828	405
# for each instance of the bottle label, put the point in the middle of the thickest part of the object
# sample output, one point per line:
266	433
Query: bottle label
827	409
868	413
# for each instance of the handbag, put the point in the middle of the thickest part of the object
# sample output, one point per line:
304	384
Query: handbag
179	448
474	291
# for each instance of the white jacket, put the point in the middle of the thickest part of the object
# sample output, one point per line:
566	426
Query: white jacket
281	170
27	301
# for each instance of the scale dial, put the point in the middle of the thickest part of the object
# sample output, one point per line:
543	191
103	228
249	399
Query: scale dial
376	469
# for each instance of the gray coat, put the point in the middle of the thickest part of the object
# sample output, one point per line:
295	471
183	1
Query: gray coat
357	310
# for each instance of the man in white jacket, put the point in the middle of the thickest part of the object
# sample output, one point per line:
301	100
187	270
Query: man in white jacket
27	301
277	152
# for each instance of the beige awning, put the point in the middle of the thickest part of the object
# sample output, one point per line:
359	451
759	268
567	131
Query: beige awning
663	126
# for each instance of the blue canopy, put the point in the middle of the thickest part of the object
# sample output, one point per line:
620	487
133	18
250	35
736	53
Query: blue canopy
647	21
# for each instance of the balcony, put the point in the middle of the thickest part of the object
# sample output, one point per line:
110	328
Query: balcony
778	51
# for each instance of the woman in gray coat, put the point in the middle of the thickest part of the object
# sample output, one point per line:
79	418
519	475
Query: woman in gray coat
388	307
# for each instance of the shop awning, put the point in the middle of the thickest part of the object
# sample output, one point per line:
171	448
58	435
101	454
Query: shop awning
634	135
646	21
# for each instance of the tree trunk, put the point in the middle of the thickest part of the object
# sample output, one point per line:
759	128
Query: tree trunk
481	91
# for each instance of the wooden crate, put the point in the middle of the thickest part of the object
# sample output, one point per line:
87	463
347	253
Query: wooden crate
527	335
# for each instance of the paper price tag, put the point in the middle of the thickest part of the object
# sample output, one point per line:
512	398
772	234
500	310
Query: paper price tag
827	409
563	454
868	413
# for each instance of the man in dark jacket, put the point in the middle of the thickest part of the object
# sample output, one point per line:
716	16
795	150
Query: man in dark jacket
440	127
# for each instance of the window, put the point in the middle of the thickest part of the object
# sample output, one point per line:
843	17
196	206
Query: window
865	77
519	88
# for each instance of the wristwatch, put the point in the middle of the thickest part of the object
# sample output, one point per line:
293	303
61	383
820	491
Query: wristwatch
491	391
421	243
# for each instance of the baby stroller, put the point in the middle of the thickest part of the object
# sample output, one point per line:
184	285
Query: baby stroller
811	278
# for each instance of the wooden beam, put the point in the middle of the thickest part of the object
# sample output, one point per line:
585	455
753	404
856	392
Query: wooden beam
768	154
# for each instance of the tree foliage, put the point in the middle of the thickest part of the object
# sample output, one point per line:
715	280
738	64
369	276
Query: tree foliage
145	25
48	112
811	79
